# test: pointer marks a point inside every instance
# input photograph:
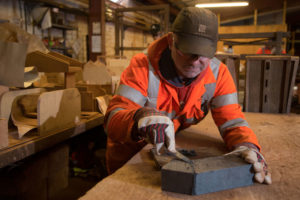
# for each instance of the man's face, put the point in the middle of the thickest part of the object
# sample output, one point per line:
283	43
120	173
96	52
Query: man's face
187	65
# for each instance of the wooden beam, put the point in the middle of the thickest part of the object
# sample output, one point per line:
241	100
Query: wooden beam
141	8
284	12
46	62
97	16
252	35
173	10
119	14
133	48
178	4
117	33
255	17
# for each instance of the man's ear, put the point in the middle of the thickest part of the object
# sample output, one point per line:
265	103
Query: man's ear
170	39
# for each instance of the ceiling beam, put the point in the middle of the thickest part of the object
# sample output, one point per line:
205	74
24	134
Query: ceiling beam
173	11
178	4
290	9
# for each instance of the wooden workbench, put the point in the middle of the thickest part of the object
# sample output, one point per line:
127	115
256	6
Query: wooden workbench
279	136
30	144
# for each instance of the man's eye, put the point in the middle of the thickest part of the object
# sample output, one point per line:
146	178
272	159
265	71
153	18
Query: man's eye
194	56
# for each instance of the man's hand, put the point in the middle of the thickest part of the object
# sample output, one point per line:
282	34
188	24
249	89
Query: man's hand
155	128
250	153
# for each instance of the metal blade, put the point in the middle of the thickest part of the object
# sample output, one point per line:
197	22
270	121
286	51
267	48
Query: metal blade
182	157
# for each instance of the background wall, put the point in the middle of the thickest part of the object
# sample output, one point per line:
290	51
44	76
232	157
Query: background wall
248	49
15	12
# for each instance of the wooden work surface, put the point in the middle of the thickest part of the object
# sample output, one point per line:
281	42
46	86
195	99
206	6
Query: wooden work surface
279	136
30	144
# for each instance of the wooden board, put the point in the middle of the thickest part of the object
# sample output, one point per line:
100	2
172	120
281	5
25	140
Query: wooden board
87	101
269	80
3	133
96	73
8	98
72	61
103	102
117	66
298	93
20	107
46	62
3	89
70	80
278	135
12	56
232	61
98	90
58	110
31	144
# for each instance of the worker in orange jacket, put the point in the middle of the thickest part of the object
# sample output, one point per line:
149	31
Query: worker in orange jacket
268	49
171	87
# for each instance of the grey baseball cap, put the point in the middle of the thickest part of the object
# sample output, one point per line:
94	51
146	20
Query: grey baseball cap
197	31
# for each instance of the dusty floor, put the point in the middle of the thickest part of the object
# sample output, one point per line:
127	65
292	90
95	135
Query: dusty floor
77	188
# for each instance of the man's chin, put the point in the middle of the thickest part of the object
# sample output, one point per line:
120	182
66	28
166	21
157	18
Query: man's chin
190	75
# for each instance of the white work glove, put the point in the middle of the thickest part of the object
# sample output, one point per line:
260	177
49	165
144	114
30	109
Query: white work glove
250	153
155	128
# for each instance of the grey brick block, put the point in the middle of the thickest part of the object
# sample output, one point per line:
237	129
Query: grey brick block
211	174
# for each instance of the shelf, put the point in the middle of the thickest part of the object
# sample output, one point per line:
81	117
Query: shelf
60	48
65	27
31	144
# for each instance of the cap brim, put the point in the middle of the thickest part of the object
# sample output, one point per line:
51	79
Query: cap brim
196	45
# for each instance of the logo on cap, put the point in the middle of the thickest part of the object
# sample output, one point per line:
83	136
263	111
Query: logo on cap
202	28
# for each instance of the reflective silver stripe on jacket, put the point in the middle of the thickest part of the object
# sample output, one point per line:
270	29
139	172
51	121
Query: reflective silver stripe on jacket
131	94
170	115
192	120
211	87
111	114
214	65
209	93
153	87
231	124
224	100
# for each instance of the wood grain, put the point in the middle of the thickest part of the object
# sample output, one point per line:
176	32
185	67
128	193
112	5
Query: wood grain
58	110
279	137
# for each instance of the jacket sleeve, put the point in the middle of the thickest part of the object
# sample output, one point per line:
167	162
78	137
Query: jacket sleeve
131	96
227	113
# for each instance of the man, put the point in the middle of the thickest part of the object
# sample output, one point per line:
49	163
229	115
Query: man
268	49
172	87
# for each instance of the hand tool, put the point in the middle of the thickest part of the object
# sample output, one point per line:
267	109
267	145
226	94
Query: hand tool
180	156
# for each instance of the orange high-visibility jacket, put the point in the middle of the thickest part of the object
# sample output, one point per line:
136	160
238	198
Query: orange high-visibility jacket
143	85
264	50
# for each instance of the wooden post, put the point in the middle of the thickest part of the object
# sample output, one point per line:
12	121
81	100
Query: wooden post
70	81
166	18
298	93
122	29
96	22
284	12
292	51
117	34
255	17
278	43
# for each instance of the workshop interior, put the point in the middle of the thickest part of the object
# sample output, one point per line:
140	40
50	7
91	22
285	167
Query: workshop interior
76	84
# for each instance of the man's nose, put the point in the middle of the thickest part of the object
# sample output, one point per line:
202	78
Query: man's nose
196	60
200	60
